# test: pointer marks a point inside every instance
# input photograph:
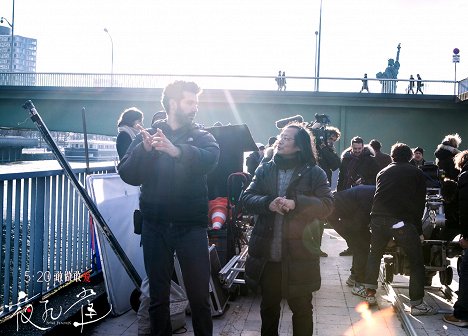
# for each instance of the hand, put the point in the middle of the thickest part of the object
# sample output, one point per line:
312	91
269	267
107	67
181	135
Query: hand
159	142
421	237
282	205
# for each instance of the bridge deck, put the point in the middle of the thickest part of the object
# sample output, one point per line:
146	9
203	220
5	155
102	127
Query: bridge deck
335	308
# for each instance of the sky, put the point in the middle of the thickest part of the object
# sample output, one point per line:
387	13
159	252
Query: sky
245	37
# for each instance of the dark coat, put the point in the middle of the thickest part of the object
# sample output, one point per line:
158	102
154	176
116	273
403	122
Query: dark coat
463	200
122	143
173	190
445	154
401	194
352	168
353	207
383	160
301	228
252	161
328	160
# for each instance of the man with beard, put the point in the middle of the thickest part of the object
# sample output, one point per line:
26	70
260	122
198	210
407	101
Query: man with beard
358	166
170	162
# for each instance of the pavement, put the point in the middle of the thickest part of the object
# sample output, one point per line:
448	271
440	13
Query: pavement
337	311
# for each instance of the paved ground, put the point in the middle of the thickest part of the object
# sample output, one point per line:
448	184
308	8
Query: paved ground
336	311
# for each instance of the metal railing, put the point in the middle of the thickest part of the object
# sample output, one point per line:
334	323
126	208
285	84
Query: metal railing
46	239
233	82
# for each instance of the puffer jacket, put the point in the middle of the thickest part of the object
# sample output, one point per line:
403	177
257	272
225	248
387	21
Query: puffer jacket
301	228
173	190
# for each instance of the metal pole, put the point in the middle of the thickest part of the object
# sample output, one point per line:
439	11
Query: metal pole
455	83
112	56
12	36
319	43
315	61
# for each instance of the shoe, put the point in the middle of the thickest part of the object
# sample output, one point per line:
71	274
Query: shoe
370	296
423	309
323	254
346	252
453	320
351	281
359	290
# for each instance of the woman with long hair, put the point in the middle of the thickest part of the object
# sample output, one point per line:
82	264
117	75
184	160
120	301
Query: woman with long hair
290	194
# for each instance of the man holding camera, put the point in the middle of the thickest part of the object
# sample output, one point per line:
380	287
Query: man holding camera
328	160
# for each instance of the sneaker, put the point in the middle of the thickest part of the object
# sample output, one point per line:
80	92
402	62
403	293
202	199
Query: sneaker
359	290
323	254
423	309
453	320
351	281
370	296
346	252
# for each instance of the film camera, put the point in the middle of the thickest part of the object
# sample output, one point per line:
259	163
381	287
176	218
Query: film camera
318	127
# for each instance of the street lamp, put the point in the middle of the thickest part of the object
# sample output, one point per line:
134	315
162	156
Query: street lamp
11	42
455	60
319	43
112	56
315	61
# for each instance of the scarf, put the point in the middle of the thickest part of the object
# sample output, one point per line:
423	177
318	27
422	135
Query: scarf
286	163
129	130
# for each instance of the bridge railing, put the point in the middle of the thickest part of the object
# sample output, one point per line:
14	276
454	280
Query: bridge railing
46	239
232	82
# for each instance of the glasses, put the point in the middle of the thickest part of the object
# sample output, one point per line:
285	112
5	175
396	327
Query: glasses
285	139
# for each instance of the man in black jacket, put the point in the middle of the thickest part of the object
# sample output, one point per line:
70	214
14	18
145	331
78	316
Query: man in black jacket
397	211
171	162
358	165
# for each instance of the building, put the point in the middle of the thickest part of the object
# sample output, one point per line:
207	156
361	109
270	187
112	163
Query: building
22	60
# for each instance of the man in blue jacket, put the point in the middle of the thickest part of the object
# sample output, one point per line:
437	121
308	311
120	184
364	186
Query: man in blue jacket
170	161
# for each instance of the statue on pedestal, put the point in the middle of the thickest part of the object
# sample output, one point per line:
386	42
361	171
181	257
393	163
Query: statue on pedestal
391	72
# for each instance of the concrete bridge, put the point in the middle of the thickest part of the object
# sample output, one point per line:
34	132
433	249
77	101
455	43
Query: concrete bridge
418	120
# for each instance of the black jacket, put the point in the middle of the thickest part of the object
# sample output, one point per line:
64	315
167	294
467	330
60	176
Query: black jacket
328	160
301	228
401	194
173	190
122	143
352	168
353	205
463	200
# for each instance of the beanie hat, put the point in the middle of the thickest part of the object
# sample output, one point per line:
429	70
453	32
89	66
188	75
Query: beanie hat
418	149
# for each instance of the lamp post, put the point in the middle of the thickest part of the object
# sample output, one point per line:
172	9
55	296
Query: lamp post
455	60
12	36
315	61
112	56
319	42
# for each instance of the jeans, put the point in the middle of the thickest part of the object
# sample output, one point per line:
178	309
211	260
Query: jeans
160	241
460	308
408	239
270	307
358	242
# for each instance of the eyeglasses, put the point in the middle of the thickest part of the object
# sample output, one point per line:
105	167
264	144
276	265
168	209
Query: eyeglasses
285	139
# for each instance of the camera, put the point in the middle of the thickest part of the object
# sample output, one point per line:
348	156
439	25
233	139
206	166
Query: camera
319	129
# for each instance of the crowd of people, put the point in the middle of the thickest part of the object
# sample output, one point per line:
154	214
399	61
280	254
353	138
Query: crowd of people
378	198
